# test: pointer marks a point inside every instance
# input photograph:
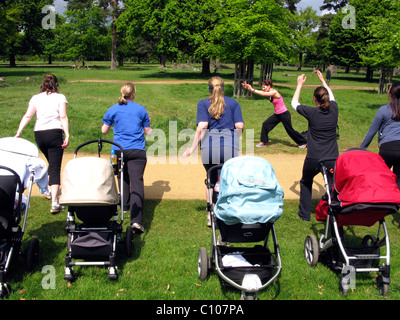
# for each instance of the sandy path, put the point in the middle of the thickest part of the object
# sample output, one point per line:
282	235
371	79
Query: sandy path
186	180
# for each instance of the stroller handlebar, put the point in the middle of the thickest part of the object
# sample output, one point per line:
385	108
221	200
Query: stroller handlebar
99	146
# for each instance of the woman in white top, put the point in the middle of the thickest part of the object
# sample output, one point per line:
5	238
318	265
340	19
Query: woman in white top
50	108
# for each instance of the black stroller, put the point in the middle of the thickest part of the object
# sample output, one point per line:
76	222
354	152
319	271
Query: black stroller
90	191
19	169
361	190
248	204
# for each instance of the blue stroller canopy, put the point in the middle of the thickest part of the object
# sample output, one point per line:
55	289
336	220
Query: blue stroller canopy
249	192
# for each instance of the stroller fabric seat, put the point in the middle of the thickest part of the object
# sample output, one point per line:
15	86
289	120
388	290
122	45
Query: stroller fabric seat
249	192
89	181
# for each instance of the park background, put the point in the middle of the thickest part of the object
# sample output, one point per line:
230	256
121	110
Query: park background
168	68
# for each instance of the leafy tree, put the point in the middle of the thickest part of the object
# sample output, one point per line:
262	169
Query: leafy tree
85	28
251	32
303	24
21	29
383	46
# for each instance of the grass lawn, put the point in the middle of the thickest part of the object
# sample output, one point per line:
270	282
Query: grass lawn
164	263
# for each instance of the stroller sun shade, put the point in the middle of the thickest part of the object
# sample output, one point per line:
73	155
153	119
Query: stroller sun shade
363	177
249	192
89	181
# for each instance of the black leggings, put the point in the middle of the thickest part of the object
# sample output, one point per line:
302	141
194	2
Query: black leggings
390	152
49	142
286	120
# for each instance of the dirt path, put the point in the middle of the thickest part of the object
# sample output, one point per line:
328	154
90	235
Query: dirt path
177	180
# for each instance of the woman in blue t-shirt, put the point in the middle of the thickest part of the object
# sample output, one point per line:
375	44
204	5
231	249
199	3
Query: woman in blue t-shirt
131	121
219	126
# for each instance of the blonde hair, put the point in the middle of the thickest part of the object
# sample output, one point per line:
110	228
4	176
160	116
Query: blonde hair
127	90
216	88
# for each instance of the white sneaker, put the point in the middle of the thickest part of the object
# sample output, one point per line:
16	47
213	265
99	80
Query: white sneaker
303	146
56	208
261	145
48	195
138	228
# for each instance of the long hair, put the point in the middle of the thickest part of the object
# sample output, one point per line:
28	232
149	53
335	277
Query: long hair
127	90
216	88
49	84
395	101
322	97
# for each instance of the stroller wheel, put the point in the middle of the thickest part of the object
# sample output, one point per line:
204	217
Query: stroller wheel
202	264
33	254
311	250
129	241
5	290
113	275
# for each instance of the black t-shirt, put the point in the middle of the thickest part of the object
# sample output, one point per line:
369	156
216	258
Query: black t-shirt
321	136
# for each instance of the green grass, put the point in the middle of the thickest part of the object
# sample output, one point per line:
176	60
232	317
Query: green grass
164	264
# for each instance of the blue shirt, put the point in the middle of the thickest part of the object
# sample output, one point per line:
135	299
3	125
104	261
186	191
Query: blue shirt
224	127
128	120
388	129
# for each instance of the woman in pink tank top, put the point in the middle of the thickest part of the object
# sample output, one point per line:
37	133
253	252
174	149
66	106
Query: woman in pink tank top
281	114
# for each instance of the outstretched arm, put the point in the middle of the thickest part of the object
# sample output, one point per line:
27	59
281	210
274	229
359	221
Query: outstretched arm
296	97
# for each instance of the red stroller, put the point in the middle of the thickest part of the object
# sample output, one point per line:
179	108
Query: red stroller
360	191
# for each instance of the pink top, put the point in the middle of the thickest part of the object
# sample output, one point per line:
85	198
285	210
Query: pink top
279	105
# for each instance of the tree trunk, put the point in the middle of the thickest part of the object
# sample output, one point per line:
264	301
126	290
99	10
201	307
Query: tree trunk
12	60
114	4
205	69
385	80
300	61
265	72
163	60
244	71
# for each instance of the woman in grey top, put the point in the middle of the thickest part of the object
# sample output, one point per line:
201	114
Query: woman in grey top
387	124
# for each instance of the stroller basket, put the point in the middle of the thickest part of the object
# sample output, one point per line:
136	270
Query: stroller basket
257	260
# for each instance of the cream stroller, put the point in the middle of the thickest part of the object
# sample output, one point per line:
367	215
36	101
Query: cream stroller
90	191
20	169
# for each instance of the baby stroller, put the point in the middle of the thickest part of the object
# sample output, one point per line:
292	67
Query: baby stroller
249	203
362	192
90	191
20	168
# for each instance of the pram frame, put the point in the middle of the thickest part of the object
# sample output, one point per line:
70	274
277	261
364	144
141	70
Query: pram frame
18	234
325	243
246	294
71	230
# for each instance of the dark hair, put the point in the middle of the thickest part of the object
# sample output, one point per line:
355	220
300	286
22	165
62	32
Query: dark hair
267	82
49	84
322	96
395	102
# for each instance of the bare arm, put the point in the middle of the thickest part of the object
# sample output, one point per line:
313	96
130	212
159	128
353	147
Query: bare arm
65	124
105	128
197	138
296	97
272	93
25	119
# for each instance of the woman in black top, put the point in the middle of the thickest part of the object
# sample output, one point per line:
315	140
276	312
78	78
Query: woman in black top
321	137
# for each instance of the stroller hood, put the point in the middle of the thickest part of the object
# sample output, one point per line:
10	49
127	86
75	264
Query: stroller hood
89	181
363	177
249	192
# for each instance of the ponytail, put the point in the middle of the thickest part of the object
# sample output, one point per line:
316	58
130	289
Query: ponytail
322	97
395	100
216	88
127	90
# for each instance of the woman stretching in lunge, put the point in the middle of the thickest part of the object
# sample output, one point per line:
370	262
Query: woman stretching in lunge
281	114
